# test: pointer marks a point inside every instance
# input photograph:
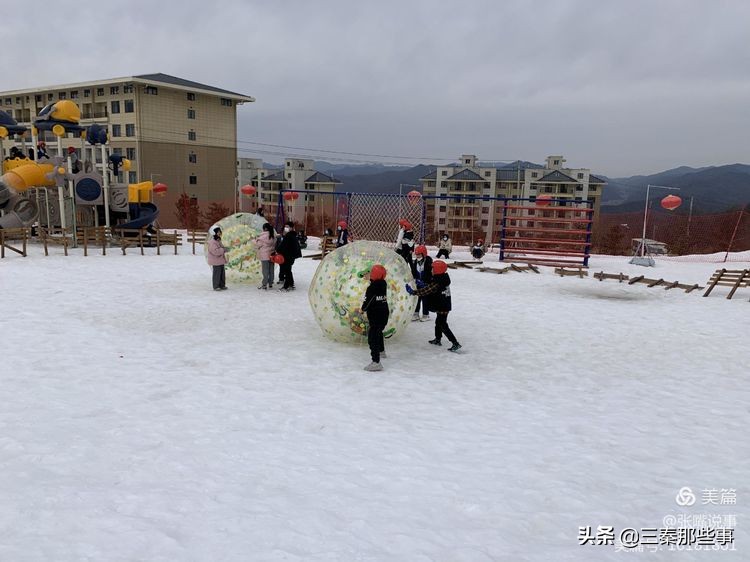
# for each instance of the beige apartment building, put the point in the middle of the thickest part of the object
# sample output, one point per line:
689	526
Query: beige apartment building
313	209
467	219
175	131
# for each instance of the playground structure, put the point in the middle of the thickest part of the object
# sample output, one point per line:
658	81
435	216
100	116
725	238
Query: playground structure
62	192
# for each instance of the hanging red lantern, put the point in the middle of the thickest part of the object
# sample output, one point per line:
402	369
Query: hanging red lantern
160	189
671	202
291	196
543	200
248	190
278	259
413	197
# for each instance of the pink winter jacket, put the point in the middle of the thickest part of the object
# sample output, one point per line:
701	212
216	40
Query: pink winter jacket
216	253
265	246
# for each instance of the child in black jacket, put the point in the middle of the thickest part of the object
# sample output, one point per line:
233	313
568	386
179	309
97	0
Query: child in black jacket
439	293
376	307
421	270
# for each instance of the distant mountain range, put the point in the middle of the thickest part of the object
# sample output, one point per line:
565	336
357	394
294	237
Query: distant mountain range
713	189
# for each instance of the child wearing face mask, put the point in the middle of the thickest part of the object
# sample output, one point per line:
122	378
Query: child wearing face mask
289	248
421	270
445	246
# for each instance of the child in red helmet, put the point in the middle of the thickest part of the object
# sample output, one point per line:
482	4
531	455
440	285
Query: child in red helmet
439	293
375	306
421	269
405	240
342	234
477	250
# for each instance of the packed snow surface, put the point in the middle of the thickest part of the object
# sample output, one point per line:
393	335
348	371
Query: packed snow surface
147	417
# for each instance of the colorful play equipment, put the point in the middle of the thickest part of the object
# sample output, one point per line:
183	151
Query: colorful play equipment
63	189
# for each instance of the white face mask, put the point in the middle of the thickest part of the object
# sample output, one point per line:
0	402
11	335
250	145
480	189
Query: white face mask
287	229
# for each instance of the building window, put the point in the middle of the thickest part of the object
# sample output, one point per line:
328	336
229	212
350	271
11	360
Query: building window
192	158
38	97
100	91
441	221
557	163
130	152
117	151
151	90
115	107
191	114
129	106
132	177
191	135
444	173
487	174
580	176
289	175
226	102
74	94
87	93
114	90
533	174
191	96
62	95
50	97
485	222
9	101
127	89
193	180
116	131
579	188
130	130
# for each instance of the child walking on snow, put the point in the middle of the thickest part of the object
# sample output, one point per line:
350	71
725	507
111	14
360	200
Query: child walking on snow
376	307
266	243
217	260
421	270
439	301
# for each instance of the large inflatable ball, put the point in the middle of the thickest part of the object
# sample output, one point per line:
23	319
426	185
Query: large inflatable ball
338	289
239	232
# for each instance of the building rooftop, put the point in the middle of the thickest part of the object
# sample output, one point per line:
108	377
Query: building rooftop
431	176
156	79
466	174
596	179
320	177
556	177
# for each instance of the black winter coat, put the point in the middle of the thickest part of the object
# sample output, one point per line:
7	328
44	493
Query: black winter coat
426	275
376	303
289	246
437	293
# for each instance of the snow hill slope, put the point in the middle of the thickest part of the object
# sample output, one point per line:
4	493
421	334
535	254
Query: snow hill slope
147	417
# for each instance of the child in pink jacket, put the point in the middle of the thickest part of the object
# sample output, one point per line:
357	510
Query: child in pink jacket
217	259
266	244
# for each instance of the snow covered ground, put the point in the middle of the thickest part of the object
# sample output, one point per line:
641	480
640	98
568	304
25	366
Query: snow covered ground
147	417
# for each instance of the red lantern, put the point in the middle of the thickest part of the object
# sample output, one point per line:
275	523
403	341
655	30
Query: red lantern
291	196
413	197
160	189
248	190
671	202
278	259
543	200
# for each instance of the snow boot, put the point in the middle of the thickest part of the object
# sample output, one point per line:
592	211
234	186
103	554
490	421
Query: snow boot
425	318
415	317
374	367
435	342
455	347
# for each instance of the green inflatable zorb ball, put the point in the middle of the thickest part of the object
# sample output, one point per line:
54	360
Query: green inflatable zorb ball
238	234
338	288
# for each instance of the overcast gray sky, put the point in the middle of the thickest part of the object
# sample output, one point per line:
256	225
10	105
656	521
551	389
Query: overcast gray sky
622	87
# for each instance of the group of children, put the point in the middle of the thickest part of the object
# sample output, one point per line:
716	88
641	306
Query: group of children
271	249
430	278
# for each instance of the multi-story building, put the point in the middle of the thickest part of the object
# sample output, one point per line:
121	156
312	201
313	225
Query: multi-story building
174	131
460	195
312	209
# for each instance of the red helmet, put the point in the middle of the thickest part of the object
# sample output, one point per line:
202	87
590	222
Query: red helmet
377	272
342	224
421	250
405	224
439	266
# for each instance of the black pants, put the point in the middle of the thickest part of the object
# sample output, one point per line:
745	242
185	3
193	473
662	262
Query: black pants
443	254
375	339
441	327
219	277
285	273
421	301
